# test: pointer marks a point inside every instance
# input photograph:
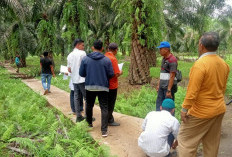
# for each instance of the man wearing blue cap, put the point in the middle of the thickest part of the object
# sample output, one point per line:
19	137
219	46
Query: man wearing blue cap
158	136
167	84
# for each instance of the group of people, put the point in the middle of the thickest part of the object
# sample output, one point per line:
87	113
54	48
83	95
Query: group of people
202	110
96	75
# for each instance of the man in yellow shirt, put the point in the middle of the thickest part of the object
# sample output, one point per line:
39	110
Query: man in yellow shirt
204	106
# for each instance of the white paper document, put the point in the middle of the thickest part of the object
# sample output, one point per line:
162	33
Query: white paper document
63	69
65	77
120	66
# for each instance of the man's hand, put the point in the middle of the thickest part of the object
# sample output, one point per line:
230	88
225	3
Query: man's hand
53	75
168	94
175	144
69	69
184	116
157	87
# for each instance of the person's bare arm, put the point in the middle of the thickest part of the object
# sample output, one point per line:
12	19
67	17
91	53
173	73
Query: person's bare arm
40	69
157	87
119	74
170	84
52	69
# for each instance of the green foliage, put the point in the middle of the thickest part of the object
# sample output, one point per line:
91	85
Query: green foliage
23	122
145	17
46	32
7	134
229	81
139	102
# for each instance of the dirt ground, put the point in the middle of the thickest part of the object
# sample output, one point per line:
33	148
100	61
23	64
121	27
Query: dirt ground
122	140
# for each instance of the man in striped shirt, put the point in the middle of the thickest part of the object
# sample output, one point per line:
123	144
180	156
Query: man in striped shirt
167	85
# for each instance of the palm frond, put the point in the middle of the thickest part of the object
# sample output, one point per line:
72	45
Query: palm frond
16	6
4	35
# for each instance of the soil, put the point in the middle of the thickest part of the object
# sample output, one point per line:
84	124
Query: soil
122	140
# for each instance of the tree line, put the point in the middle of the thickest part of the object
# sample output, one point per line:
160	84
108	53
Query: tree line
34	26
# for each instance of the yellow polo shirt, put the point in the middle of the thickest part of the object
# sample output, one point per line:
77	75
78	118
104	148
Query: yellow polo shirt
206	88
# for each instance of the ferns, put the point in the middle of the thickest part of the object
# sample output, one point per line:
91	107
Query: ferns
7	134
24	143
26	123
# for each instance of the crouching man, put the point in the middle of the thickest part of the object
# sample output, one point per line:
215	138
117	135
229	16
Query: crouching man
160	129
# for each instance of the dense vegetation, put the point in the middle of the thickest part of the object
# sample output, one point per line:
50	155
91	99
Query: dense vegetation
34	26
27	124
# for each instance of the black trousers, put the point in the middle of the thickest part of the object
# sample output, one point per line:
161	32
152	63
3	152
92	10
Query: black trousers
103	101
111	103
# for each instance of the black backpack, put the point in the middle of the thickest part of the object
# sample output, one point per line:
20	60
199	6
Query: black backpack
178	75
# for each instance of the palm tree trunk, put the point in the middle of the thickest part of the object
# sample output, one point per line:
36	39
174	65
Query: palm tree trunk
151	57
139	68
23	62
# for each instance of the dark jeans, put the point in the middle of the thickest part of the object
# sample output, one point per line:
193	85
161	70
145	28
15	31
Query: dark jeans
170	139
170	142
79	88
72	100
162	95
103	102
111	103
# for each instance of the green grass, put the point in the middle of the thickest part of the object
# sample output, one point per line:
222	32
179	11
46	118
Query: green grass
28	124
60	83
229	82
140	102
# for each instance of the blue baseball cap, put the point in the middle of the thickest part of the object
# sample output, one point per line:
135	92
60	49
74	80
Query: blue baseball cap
168	103
164	44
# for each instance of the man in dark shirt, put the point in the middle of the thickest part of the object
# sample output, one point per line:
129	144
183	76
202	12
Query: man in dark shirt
167	85
46	73
97	70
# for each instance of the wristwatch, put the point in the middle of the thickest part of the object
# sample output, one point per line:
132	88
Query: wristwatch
168	91
184	110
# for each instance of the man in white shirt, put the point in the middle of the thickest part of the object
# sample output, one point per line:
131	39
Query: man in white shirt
160	128
74	60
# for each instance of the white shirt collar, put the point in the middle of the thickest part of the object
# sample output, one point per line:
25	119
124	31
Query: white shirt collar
206	54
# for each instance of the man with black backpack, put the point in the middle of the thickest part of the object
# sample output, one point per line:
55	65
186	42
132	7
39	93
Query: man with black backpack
167	84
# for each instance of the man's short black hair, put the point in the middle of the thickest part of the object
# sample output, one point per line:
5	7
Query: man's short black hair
45	54
77	41
210	40
98	44
113	46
